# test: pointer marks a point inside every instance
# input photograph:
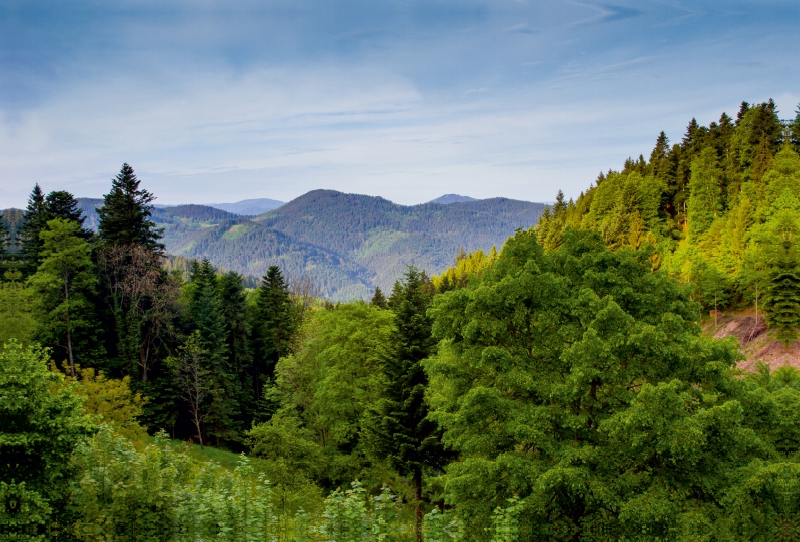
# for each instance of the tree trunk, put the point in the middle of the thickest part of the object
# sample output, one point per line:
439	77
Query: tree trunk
418	505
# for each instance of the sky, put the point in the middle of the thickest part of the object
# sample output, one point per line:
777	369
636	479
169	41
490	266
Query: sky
219	101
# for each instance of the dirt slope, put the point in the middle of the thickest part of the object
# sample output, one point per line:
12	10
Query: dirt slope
757	342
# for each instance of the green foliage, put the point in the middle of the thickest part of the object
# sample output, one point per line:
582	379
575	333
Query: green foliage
331	380
378	299
41	424
64	283
124	218
397	427
17	320
441	527
782	302
348	518
554	371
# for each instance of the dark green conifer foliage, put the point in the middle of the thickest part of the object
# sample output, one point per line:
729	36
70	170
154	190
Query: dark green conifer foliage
782	302
273	326
5	254
125	214
206	317
34	221
62	204
378	299
794	130
398	428
239	358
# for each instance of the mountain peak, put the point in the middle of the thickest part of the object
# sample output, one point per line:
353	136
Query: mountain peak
451	198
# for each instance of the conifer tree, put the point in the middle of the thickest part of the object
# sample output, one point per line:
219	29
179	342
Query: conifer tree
62	204
239	357
273	326
782	302
705	201
34	220
207	319
398	427
125	214
378	299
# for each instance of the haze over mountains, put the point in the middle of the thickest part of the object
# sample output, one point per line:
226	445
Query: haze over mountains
345	243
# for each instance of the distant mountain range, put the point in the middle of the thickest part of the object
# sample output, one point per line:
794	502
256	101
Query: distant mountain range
246	207
345	243
451	198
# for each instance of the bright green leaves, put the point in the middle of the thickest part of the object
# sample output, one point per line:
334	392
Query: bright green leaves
549	383
41	423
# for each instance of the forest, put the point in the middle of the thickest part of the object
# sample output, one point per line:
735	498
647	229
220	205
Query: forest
560	388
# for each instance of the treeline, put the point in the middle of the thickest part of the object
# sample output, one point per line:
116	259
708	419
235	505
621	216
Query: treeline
720	209
113	301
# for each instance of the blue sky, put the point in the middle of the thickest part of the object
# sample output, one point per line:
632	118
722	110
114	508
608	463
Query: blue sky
403	99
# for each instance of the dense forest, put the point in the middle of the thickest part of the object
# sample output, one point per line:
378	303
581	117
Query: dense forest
558	389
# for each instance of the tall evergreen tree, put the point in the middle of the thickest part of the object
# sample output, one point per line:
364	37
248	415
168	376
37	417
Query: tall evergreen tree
62	204
34	220
125	214
782	302
705	202
239	357
378	299
207	318
273	324
398	427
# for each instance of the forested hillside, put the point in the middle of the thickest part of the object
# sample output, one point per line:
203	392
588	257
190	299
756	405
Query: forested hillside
346	244
384	237
720	208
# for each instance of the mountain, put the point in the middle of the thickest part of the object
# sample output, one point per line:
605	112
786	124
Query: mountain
345	243
451	198
385	237
250	207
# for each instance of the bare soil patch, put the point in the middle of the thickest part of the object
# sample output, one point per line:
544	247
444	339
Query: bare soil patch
757	342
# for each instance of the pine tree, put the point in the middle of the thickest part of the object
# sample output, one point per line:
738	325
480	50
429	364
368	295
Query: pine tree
378	299
239	357
782	302
398	428
34	220
206	318
5	254
125	214
272	326
62	204
705	201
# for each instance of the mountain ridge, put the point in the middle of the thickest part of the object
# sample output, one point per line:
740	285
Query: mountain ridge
347	244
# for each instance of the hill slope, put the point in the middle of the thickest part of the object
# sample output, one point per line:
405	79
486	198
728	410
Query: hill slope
384	237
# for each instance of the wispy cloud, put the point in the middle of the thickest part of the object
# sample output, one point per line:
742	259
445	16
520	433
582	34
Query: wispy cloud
606	13
405	99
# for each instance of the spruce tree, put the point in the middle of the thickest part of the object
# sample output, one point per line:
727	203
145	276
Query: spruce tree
273	326
125	214
207	320
782	302
239	357
398	428
378	299
34	220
